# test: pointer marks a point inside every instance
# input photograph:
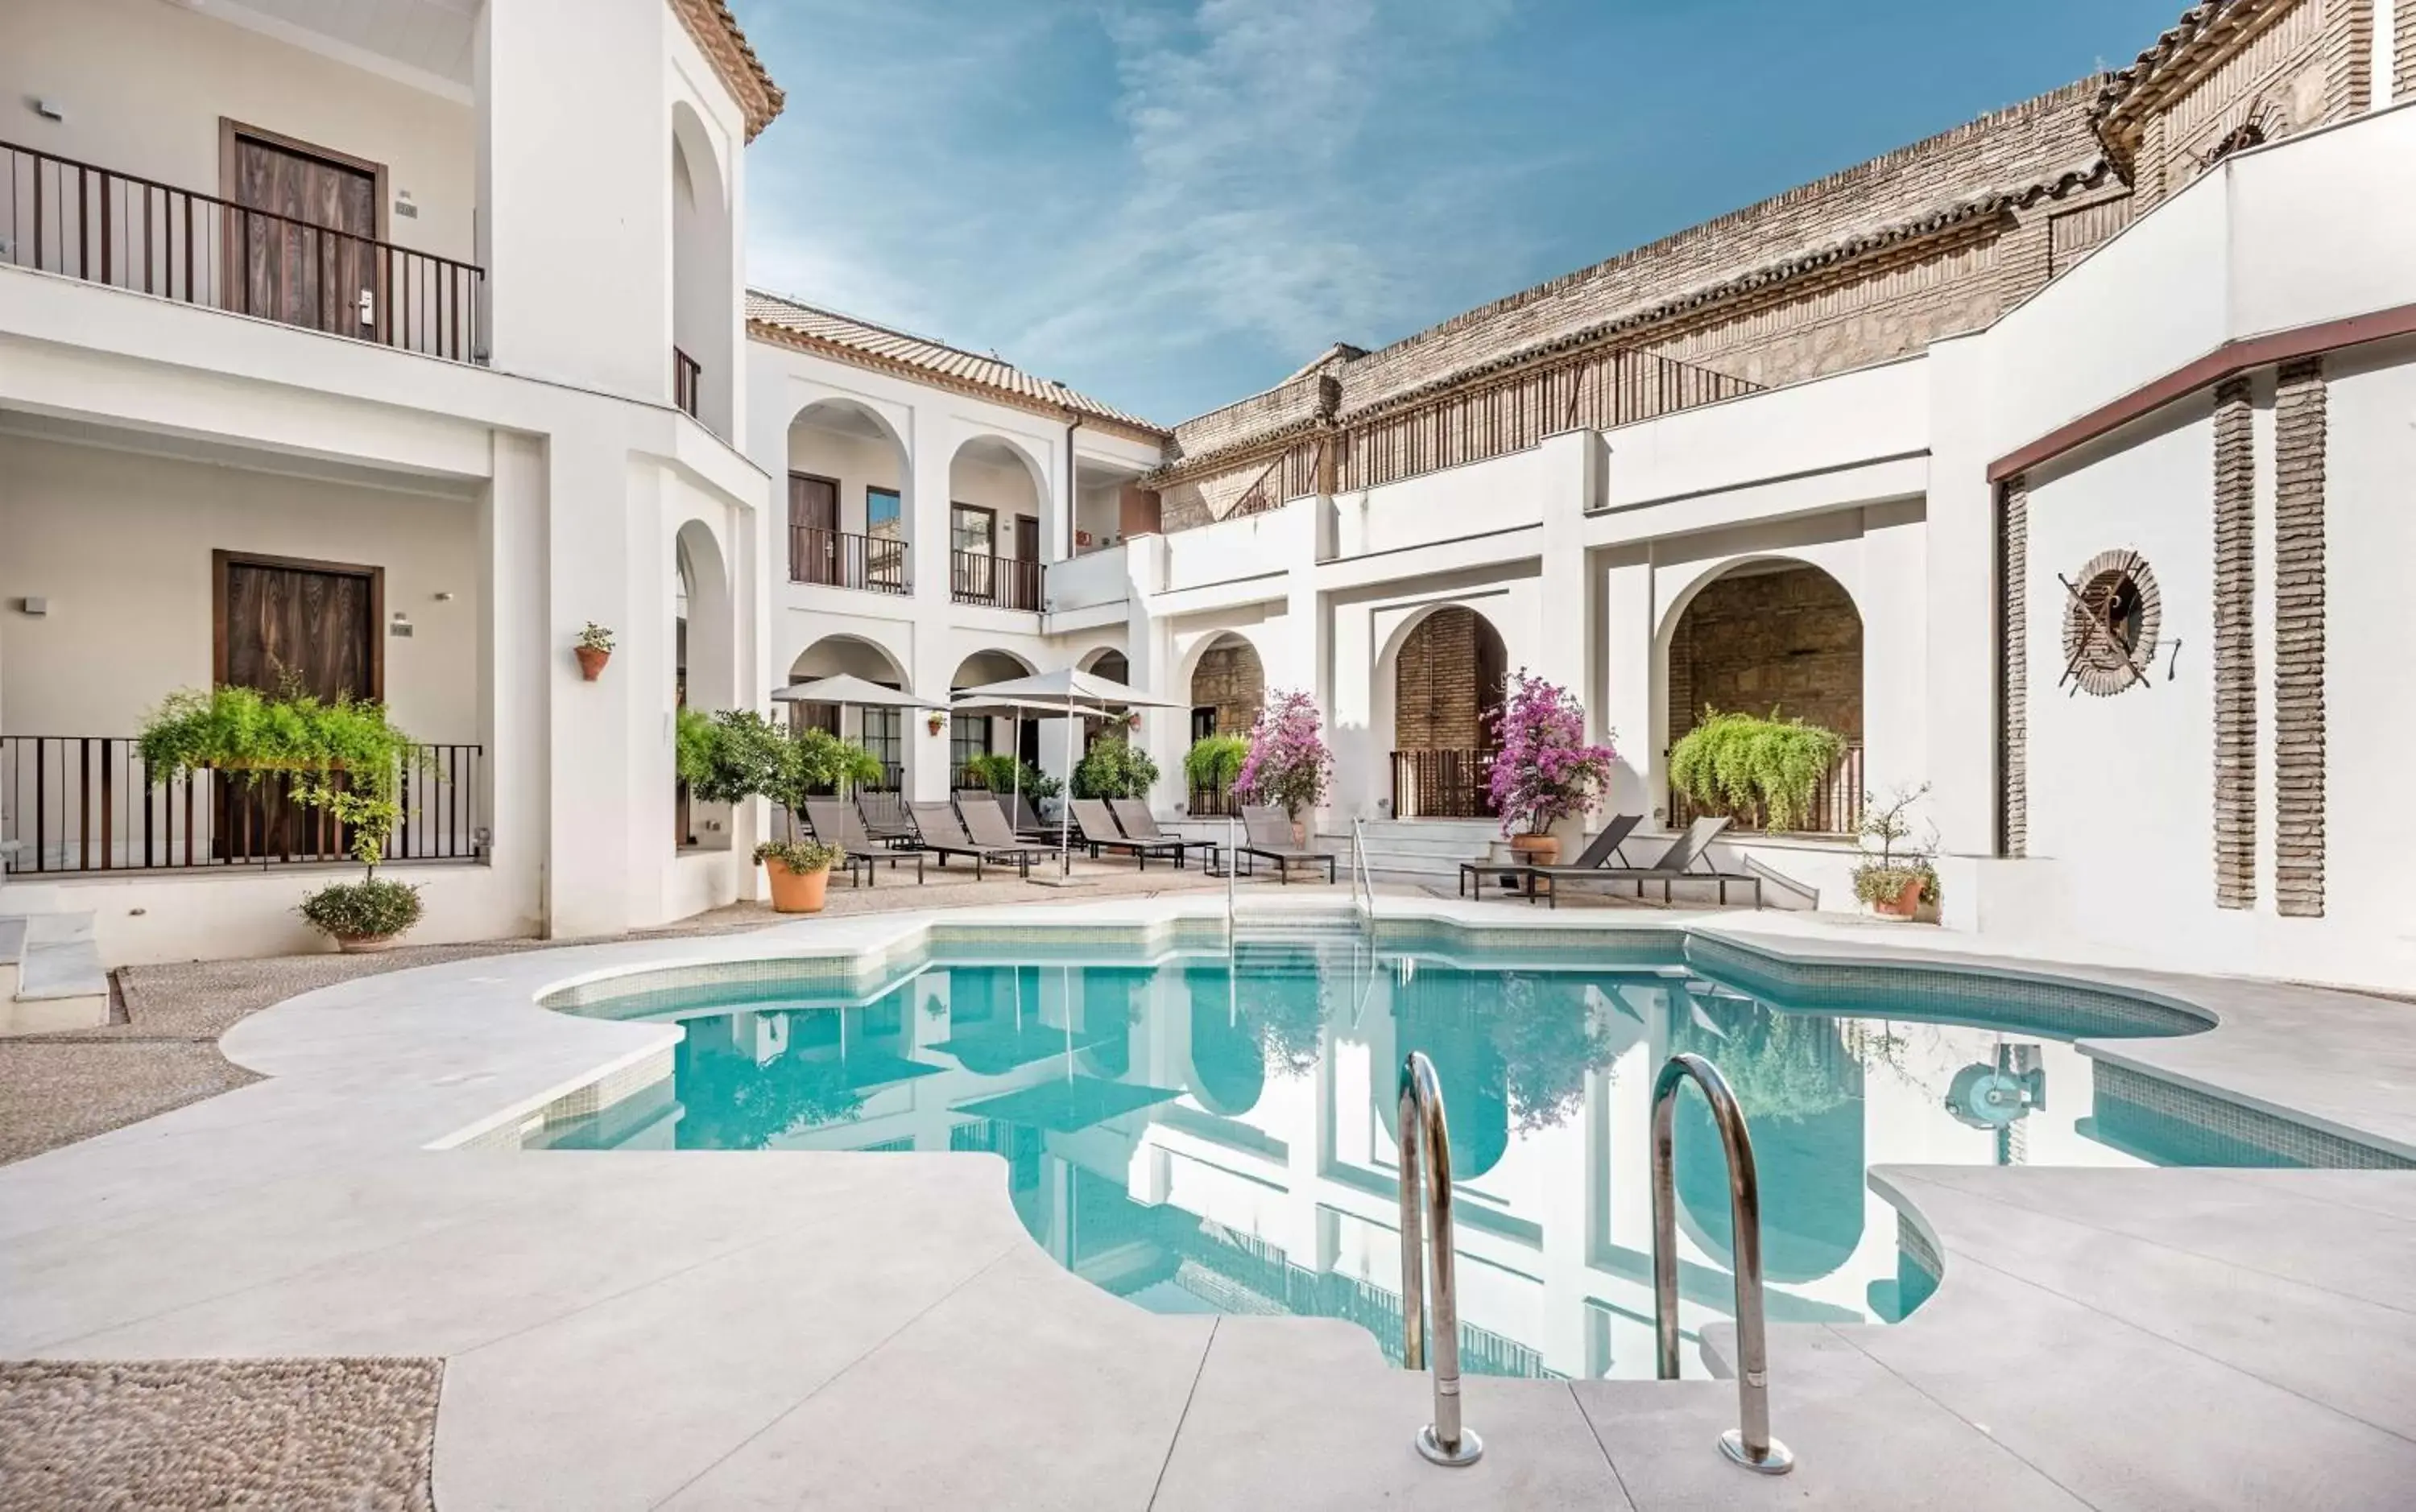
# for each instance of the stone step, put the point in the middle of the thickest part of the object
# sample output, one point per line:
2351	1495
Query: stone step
55	976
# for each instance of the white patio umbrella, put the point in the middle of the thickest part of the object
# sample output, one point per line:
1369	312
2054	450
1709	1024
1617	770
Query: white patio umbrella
1065	692
847	690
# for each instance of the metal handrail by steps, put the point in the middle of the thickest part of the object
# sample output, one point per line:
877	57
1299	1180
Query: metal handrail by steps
1360	875
1749	1443
1426	1148
1232	859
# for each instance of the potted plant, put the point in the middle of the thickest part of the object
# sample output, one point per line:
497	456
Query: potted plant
936	721
1765	770
1113	767
1544	771
594	647
341	757
1897	881
799	871
1287	763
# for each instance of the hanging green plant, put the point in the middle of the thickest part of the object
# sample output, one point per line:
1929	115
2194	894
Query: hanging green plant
1213	761
343	756
1764	769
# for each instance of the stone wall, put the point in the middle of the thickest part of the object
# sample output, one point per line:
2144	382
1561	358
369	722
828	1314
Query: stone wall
2299	730
1448	678
2277	78
1788	641
1229	680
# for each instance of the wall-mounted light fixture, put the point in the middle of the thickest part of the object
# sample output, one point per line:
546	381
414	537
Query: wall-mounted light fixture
51	109
33	605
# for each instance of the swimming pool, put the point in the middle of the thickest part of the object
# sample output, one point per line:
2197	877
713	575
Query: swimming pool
1205	1130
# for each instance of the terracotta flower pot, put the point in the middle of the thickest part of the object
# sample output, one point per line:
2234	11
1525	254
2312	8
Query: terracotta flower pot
796	893
1537	850
364	944
1904	905
591	661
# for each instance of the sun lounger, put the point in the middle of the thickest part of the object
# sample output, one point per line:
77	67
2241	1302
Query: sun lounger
836	822
1267	833
1098	830
1687	859
1596	854
1132	815
885	818
986	823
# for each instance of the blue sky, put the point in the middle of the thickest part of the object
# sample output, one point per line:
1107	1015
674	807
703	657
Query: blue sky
1172	205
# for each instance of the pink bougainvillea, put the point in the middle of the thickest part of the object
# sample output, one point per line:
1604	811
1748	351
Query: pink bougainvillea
1288	764
1544	771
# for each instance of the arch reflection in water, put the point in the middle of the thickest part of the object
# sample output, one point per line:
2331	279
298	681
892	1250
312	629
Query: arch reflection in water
1216	1133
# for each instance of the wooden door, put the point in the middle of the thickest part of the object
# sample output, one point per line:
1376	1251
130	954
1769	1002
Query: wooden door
283	624
312	257
813	529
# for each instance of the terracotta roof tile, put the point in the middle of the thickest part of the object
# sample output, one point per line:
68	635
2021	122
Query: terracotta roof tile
896	348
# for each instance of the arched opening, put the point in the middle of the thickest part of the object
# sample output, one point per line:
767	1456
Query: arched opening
1447	682
996	502
703	661
1110	663
1228	688
973	735
703	308
849	519
1774	638
881	731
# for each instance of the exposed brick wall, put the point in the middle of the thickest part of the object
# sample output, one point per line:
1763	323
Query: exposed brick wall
2300	66
1229	680
1448	675
2403	71
2073	234
2348	58
2013	673
2235	648
2298	638
1758	641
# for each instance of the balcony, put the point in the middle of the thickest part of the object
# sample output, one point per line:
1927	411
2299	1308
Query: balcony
84	805
687	382
1004	582
836	559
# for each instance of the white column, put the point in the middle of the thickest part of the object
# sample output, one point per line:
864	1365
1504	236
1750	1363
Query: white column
516	675
1632	698
930	448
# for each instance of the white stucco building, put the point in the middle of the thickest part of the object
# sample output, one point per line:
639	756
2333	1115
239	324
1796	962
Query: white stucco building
2059	462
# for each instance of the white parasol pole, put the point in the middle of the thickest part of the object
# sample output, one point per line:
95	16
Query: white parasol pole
1065	810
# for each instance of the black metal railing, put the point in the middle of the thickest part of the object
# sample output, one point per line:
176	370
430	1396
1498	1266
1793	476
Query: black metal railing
79	803
1836	807
978	577
687	381
836	559
1213	804
1443	784
65	216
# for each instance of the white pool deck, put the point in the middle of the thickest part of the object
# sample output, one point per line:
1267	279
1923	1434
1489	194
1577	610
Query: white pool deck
690	1330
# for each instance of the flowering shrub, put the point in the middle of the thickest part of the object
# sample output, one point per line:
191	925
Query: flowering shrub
1544	771
1288	764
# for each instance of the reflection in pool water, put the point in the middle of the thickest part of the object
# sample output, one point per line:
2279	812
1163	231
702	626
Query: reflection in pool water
1200	1138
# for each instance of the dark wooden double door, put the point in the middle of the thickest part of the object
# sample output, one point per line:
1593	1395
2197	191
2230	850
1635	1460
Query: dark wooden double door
285	625
310	257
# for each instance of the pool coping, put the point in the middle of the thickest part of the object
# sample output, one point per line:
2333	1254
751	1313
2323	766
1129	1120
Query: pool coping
375	1075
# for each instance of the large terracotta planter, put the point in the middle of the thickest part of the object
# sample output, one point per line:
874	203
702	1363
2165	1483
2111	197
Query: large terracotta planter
591	661
364	944
1537	850
796	893
1904	905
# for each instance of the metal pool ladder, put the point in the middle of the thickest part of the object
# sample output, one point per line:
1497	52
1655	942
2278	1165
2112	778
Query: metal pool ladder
1749	1443
1426	1148
1360	876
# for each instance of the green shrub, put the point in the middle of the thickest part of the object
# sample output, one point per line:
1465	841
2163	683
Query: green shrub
801	856
1765	767
1115	768
1213	761
372	908
1002	774
342	757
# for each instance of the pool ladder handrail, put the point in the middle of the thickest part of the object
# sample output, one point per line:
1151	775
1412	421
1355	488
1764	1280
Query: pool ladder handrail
1233	861
1360	876
1426	1150
1749	1443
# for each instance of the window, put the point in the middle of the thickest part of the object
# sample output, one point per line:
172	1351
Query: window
974	528
968	737
881	513
882	729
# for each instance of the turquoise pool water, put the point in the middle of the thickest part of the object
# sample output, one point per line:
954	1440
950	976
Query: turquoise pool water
1206	1132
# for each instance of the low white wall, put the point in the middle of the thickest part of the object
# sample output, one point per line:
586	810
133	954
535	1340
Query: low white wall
1250	545
1481	498
1842	421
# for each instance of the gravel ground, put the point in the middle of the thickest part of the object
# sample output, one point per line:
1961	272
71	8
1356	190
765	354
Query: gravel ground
161	1050
177	1434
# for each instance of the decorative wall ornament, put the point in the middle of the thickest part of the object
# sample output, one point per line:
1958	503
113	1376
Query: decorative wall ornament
2110	623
